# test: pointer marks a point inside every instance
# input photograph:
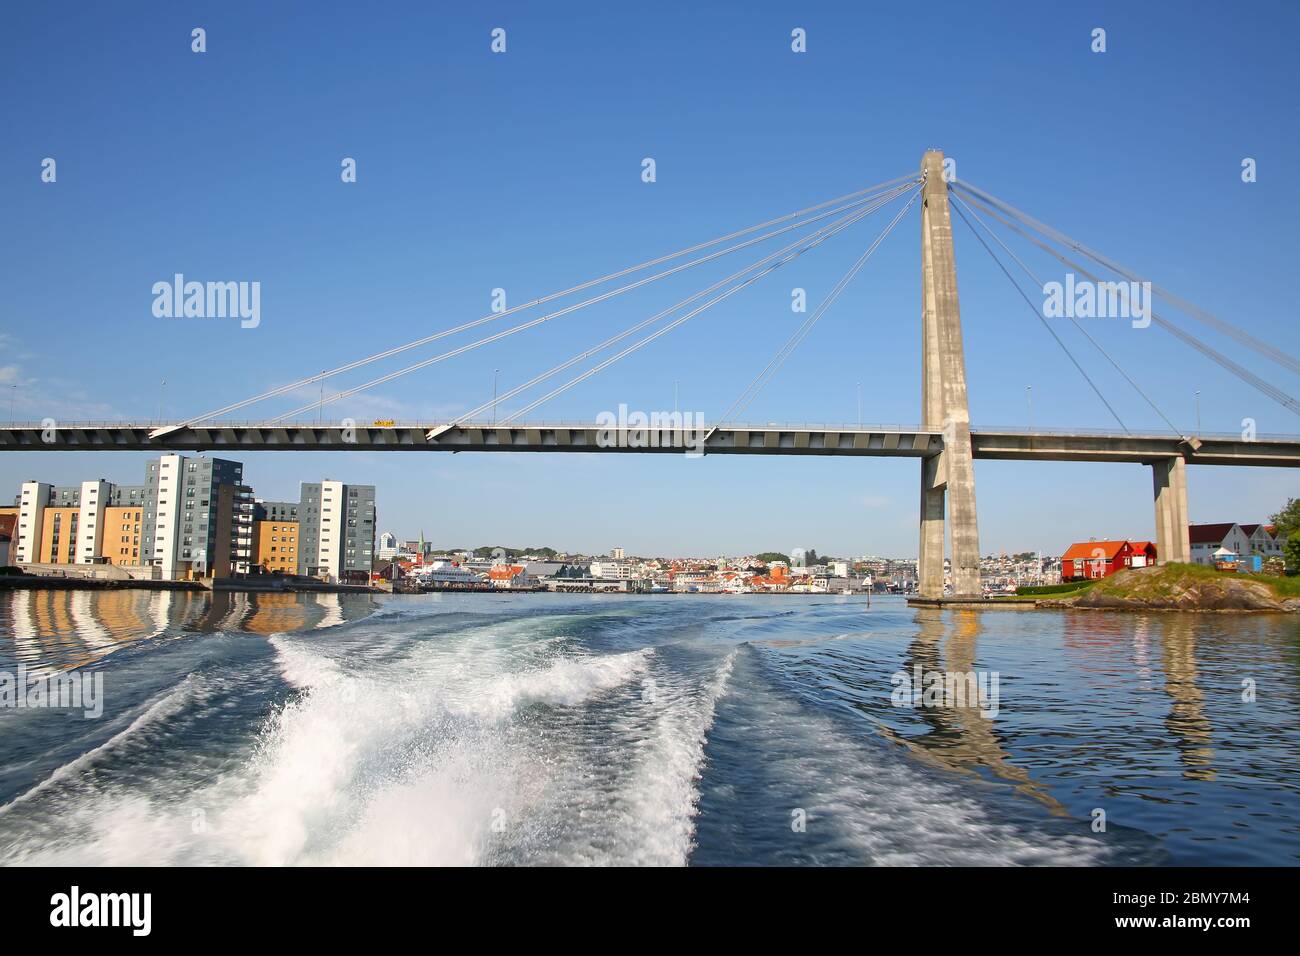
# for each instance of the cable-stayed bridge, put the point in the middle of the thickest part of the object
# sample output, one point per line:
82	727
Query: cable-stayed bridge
842	440
945	442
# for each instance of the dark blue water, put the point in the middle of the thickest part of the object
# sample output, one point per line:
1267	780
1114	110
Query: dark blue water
746	729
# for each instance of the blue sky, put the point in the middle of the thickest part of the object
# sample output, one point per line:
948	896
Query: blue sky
522	171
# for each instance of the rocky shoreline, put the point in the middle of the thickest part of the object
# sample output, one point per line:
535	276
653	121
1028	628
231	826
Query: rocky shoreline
1176	588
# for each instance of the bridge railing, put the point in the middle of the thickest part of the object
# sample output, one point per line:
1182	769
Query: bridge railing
842	427
487	424
1111	433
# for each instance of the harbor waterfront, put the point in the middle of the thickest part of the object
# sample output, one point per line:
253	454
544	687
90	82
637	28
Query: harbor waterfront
447	728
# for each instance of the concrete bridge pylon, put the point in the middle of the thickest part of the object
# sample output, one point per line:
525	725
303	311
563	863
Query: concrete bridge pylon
947	480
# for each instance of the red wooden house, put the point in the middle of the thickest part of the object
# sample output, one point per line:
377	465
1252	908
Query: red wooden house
1142	553
1085	560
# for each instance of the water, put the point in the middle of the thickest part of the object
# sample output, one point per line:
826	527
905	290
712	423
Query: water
549	729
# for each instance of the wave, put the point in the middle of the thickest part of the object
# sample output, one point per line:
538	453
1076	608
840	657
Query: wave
863	801
301	667
564	683
157	709
664	794
394	768
515	741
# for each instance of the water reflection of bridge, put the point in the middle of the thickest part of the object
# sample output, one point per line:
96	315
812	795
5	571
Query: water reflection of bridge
961	738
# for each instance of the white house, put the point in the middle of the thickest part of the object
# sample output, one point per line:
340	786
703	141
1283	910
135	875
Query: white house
1262	541
1208	539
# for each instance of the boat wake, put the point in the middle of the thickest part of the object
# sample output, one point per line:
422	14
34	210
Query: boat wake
536	739
464	752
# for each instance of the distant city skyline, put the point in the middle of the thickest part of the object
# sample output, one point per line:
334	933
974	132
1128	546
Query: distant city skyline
841	518
522	172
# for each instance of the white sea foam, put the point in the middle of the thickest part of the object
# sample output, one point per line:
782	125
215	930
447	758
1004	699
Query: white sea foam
564	683
386	769
302	667
664	792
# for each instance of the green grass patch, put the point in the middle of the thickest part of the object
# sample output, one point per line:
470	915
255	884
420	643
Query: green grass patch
1068	588
1173	578
1168	581
1287	587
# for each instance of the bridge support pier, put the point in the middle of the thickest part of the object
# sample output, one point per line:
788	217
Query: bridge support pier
1169	479
930	563
944	403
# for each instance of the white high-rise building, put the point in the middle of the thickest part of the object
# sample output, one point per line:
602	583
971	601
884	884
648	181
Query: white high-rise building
90	522
331	526
31	514
337	531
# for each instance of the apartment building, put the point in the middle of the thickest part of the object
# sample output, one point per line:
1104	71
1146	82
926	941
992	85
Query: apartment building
276	547
335	530
195	518
190	526
121	534
187	520
7	523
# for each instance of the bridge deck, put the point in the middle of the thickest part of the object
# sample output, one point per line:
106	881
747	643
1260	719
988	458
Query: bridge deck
897	441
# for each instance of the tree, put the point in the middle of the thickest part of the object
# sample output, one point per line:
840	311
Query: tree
1291	553
1286	523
